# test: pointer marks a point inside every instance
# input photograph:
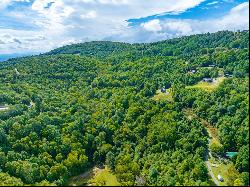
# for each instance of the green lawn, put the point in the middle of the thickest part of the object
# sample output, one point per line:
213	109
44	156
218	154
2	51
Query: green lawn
159	96
208	86
104	177
94	177
221	169
81	180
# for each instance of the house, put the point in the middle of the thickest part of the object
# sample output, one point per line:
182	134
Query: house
212	65
192	71
207	80
231	154
163	90
4	107
220	178
228	75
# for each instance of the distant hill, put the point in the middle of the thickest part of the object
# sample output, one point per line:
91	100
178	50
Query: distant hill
95	48
184	46
4	57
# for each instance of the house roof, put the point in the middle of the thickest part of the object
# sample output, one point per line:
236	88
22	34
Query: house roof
231	154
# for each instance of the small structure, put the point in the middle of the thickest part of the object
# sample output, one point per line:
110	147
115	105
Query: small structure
231	154
212	65
220	74
163	90
228	75
220	178
207	80
192	71
4	107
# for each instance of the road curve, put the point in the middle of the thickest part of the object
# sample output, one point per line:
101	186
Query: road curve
212	174
208	151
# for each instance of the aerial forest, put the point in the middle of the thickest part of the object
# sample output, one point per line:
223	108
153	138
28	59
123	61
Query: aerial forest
145	111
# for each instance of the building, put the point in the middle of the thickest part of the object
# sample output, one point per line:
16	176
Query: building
228	75
212	66
231	154
207	80
163	90
192	71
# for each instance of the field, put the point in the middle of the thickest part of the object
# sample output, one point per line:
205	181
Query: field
104	177
208	86
159	96
95	177
223	169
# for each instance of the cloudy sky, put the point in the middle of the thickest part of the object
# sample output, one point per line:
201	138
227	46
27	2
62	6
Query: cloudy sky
28	26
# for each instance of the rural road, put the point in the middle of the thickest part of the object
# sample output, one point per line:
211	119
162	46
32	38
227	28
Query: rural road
212	174
216	182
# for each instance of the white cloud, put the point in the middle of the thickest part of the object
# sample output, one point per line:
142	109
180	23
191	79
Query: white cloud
59	22
89	15
5	3
153	25
237	18
181	27
213	3
80	20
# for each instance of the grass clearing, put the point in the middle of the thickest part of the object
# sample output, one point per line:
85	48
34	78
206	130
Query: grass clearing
221	168
104	177
94	177
208	86
81	180
159	96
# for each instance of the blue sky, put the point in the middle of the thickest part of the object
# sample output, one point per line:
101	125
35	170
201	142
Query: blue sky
28	26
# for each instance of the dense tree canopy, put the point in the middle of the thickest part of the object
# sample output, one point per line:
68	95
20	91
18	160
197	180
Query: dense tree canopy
91	103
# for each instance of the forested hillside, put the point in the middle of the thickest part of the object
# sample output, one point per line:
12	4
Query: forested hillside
124	106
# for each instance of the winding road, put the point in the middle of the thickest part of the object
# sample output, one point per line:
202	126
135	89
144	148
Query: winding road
191	115
216	182
212	174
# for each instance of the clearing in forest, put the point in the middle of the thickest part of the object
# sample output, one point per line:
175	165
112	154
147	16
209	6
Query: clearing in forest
160	96
207	85
219	166
104	177
95	177
226	169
